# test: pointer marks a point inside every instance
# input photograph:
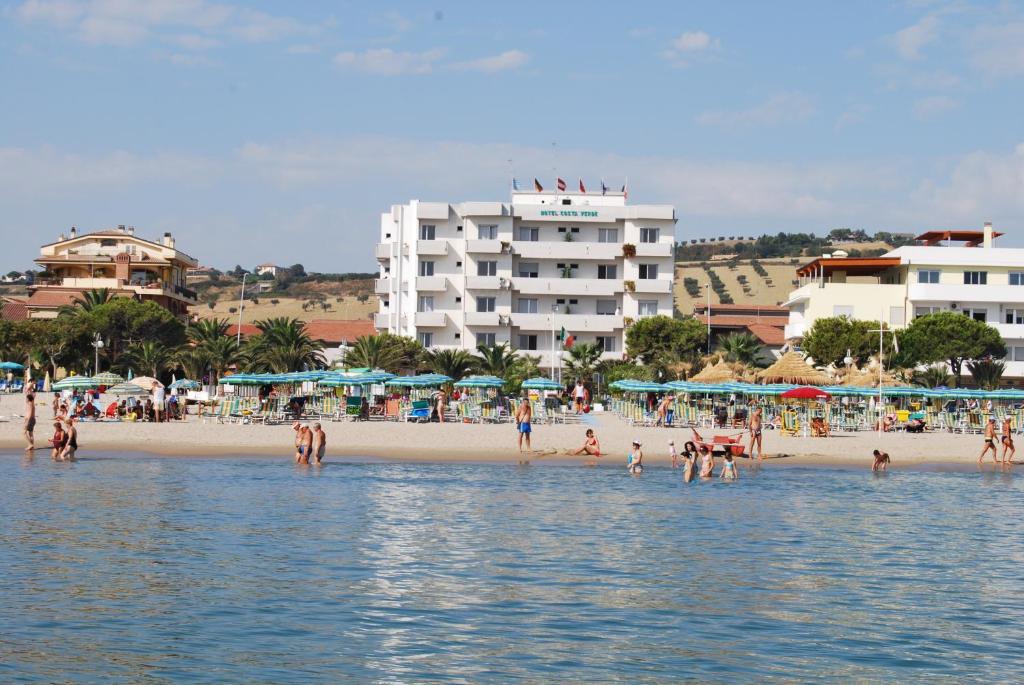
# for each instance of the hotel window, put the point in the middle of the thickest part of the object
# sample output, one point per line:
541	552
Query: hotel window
485	339
1014	315
606	307
427	232
526	305
530	235
925	311
426	268
425	303
485	304
648	272
487	232
527	342
1017	278
425	339
606	343
566	270
487	268
607	235
647	307
607	272
1018	354
976	314
529	269
927	276
975	277
649	235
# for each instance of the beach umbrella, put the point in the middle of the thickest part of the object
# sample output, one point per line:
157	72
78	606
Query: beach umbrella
715	374
541	383
11	366
186	384
480	382
145	382
793	368
339	380
124	389
75	383
806	393
427	380
107	378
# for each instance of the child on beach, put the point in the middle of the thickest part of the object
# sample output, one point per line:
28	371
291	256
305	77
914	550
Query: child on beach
707	462
729	471
635	462
881	461
673	455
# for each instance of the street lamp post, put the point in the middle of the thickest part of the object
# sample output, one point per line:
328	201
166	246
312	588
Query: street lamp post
707	287
97	344
554	310
241	308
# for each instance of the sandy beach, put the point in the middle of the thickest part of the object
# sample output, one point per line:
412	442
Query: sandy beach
477	442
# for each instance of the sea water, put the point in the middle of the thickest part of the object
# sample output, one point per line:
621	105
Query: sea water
134	569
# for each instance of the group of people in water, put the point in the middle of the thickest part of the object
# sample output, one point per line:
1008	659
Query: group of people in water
688	460
310	443
64	442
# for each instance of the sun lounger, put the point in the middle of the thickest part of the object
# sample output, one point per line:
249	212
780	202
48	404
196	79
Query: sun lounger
418	412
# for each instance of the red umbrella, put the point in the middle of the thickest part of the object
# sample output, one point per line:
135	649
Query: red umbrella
806	392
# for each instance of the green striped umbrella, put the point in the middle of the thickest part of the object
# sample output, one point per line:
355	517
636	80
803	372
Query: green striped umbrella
427	380
123	389
541	383
480	382
75	382
107	378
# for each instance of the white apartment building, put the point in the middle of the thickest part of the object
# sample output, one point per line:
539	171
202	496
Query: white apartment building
972	277
458	275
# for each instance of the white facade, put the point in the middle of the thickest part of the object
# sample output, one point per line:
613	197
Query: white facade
984	282
455	276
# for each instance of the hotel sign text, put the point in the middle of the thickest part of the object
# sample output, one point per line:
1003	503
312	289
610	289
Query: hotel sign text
566	212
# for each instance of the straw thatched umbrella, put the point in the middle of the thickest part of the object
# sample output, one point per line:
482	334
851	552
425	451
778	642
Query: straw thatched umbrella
718	373
866	378
793	368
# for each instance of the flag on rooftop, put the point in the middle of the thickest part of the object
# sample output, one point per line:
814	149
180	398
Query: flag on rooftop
570	340
625	193
515	183
583	188
537	186
604	188
561	184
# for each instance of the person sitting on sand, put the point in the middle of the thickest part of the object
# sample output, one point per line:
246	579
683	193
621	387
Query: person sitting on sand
635	461
990	441
591	445
524	414
707	462
59	440
729	471
672	454
319	443
881	461
1007	440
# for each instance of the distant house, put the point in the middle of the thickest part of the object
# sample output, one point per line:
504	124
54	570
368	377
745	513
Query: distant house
13	277
271	269
13	309
200	273
767	322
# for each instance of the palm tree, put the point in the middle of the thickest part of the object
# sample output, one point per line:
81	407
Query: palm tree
385	351
88	301
932	377
192	360
581	361
283	345
495	359
744	348
453	363
987	373
150	356
220	353
207	329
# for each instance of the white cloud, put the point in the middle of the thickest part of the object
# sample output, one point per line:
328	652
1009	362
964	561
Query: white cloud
910	41
782	108
852	116
980	186
928	107
693	41
388	62
690	46
510	59
998	51
132	22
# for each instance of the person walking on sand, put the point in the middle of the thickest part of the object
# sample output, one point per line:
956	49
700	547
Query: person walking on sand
990	441
756	424
635	463
881	461
1007	440
442	404
579	396
319	443
524	414
591	445
30	415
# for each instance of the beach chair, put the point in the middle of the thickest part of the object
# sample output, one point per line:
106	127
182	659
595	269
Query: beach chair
353	404
327	408
790	423
418	412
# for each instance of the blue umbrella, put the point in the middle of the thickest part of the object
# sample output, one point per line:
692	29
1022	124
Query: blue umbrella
541	383
186	384
11	366
480	382
427	380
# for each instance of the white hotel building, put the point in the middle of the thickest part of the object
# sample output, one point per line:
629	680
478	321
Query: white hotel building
458	275
973	277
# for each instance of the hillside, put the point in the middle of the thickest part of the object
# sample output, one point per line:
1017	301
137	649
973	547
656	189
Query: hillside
311	299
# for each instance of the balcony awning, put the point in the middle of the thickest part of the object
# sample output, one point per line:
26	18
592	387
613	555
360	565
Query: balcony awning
853	266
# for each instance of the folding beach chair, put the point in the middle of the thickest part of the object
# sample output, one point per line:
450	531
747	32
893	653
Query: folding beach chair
418	412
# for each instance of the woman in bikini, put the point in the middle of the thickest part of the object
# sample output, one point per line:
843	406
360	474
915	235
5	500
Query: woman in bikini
591	445
1007	440
689	461
635	465
71	442
707	462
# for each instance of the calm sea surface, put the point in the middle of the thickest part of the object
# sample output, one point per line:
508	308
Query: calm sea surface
162	570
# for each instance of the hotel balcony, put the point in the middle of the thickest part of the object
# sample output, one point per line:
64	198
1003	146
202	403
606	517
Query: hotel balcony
152	288
559	249
654	249
384	320
382	286
432	248
483	246
960	293
383	251
794	330
486	282
431	319
567	286
483	318
1009	331
660	286
574	323
431	283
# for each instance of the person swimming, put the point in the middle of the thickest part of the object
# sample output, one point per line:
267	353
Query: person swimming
882	461
635	463
729	471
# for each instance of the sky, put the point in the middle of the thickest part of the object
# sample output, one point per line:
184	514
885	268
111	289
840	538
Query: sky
278	132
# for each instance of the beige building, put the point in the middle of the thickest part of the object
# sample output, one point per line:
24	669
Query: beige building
117	260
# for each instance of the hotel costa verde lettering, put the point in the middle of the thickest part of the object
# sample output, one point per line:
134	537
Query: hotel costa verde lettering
567	212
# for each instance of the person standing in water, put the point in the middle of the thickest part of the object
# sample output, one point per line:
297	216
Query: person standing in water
71	443
689	462
881	461
30	415
524	414
990	441
319	443
729	471
1007	440
635	463
672	454
756	422
707	462
59	440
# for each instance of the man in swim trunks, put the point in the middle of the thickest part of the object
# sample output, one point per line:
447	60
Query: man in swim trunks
881	461
579	396
1007	439
523	416
30	415
990	441
319	443
297	427
755	431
